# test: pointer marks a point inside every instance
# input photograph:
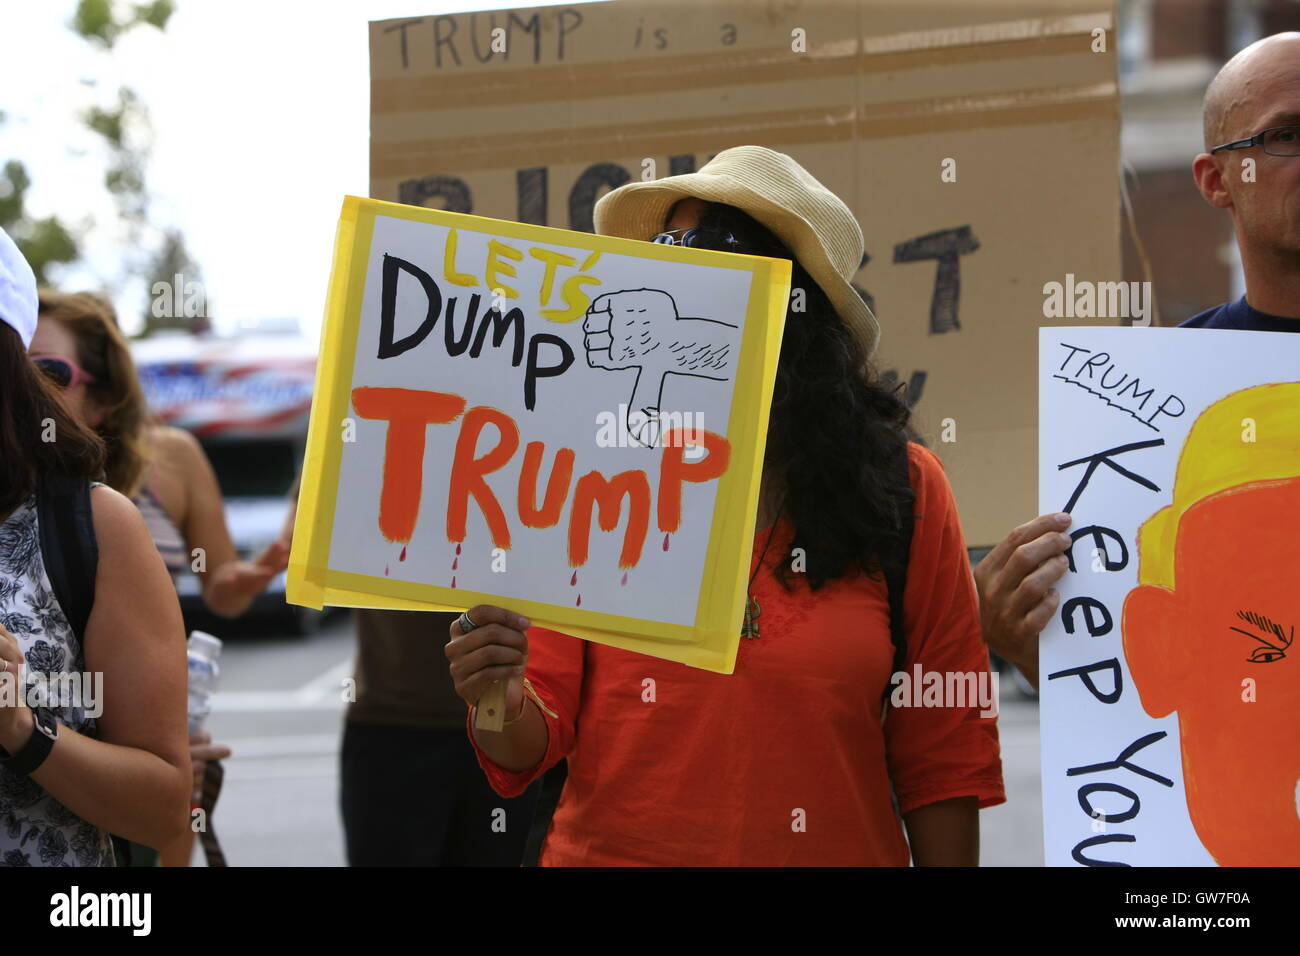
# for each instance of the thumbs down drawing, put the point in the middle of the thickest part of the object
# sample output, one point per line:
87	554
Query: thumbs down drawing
639	329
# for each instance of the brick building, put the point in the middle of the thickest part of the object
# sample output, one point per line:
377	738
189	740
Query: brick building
1169	51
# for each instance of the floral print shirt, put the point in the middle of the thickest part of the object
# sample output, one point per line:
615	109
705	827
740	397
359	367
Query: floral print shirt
35	829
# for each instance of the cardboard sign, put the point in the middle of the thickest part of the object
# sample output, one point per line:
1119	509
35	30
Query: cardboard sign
1169	691
977	143
567	425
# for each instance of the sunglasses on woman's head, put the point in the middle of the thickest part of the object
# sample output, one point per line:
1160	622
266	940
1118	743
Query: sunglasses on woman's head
692	238
64	373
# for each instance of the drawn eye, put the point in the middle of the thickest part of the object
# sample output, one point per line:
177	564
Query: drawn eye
1274	646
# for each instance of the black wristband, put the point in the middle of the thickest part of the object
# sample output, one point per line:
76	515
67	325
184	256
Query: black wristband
44	730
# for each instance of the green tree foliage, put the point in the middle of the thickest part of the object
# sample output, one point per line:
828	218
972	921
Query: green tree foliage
125	133
124	129
44	242
170	272
102	22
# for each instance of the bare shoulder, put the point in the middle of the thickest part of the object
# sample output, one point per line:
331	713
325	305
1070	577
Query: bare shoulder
116	517
179	452
129	562
171	442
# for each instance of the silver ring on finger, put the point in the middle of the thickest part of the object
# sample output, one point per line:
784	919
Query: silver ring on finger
465	623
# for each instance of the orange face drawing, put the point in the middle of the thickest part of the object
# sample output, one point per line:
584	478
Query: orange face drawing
1209	632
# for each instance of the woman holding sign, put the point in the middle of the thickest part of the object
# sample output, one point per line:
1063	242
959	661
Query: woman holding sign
791	760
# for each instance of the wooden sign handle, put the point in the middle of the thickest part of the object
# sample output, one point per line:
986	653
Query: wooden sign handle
490	711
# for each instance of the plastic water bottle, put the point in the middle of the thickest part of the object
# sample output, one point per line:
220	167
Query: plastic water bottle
204	649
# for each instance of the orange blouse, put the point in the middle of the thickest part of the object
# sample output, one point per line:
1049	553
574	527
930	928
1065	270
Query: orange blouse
785	761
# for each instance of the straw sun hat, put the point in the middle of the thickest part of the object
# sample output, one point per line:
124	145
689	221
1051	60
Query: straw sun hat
814	223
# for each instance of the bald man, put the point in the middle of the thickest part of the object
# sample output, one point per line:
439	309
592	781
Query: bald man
1251	168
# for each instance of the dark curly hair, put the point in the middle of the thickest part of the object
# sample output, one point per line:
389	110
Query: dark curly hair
835	433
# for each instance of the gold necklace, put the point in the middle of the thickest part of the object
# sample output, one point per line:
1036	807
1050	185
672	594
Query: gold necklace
749	628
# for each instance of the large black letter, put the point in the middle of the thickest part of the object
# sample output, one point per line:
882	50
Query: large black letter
582	197
533	372
1077	852
530	190
1122	761
452	191
1085	801
1085	674
388	307
500	326
1103	458
946	245
1098	533
1095	628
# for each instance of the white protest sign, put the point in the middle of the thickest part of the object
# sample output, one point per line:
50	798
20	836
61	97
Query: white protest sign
565	424
1170	686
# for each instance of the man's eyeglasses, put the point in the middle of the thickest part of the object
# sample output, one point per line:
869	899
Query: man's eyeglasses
64	373
692	238
1278	141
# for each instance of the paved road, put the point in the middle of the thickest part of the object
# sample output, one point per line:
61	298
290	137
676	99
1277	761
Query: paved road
281	710
1012	834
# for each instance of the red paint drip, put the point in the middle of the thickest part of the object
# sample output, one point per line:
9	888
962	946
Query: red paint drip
665	541
579	600
453	580
402	556
624	582
573	581
455	563
458	547
385	570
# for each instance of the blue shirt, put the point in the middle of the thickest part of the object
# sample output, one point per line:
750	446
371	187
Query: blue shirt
1239	315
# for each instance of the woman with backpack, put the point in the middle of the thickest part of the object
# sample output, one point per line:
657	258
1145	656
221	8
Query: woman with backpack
92	711
163	470
792	759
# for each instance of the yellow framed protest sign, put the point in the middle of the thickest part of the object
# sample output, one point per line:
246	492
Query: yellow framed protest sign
568	425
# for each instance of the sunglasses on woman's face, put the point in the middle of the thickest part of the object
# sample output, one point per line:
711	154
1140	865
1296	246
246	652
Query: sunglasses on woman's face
64	373
692	238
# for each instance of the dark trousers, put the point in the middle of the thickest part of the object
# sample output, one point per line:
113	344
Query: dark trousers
414	796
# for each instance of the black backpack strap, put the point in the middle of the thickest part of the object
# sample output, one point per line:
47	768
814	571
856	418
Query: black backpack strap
68	545
895	570
70	552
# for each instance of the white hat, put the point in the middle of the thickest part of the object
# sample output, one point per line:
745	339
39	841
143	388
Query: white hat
17	290
814	223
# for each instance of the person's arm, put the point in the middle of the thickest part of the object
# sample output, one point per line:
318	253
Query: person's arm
181	850
133	778
943	761
1017	598
229	583
517	755
946	833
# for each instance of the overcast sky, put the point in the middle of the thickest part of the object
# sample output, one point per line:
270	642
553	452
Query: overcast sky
260	114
